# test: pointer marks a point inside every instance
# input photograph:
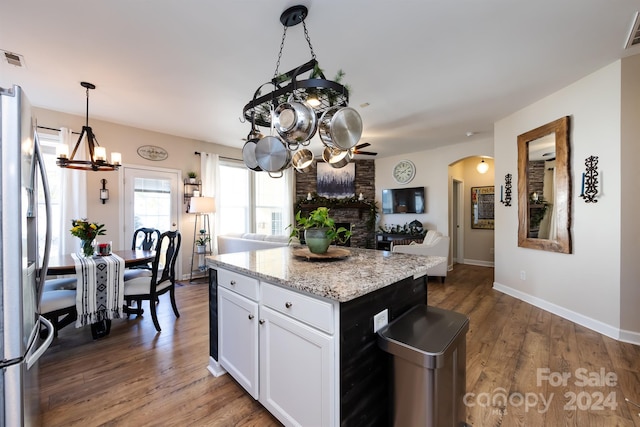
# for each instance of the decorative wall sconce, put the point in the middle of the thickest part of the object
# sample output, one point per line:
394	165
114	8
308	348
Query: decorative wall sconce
590	180
104	193
506	200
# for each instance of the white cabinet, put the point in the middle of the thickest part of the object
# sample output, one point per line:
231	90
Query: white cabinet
296	371
280	346
238	338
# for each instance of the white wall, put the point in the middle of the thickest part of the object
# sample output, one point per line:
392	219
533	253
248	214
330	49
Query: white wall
630	227
583	286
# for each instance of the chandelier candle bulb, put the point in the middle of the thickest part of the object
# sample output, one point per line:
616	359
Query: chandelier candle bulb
62	151
116	158
100	154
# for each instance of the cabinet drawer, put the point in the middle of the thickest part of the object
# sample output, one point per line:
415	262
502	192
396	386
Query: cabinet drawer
239	283
309	310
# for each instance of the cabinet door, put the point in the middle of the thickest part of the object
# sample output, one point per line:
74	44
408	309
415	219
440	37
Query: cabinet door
297	363
238	338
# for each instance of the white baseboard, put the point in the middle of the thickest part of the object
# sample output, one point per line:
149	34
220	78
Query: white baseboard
593	324
478	262
630	336
215	368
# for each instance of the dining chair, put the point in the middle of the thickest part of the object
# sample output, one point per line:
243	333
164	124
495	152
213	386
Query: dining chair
161	281
60	283
59	306
144	239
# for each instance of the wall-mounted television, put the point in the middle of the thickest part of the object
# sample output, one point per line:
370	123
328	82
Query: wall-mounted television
403	200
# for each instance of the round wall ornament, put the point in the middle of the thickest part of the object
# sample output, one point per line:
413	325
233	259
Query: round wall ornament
404	171
152	152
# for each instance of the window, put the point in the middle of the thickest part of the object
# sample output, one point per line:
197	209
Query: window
252	202
48	144
233	204
150	199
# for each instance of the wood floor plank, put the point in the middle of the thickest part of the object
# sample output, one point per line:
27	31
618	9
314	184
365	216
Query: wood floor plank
137	376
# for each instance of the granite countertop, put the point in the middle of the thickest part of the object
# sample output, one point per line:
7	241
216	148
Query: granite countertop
363	271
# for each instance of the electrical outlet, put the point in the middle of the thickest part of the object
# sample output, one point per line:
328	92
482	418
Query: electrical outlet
380	320
523	275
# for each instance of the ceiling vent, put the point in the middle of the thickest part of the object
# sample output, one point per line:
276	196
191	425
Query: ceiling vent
14	59
634	34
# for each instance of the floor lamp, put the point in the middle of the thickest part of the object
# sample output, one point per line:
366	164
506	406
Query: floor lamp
201	207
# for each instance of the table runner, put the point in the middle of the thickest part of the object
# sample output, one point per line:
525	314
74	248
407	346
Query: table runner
100	289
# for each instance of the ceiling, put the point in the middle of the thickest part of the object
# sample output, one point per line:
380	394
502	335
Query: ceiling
432	71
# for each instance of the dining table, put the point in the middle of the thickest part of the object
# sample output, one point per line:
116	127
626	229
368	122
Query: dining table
66	265
61	265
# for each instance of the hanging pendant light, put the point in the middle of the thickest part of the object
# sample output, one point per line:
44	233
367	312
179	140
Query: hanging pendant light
482	167
97	154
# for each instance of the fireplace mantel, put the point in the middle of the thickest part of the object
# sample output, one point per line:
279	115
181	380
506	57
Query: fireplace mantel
360	206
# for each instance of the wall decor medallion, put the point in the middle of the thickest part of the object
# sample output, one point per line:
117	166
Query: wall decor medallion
152	152
404	171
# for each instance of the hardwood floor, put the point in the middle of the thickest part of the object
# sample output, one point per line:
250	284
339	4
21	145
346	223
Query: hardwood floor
136	376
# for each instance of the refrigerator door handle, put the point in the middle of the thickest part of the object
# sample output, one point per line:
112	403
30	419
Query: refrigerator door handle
47	202
33	357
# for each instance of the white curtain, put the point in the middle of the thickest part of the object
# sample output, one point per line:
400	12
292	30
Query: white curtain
73	197
290	182
209	170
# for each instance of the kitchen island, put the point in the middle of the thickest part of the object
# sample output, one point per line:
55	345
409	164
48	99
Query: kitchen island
299	336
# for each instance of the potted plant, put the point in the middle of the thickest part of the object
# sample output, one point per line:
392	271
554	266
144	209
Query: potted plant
201	244
319	230
192	177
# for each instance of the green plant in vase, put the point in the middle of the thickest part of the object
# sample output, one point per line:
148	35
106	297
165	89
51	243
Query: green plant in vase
319	230
201	242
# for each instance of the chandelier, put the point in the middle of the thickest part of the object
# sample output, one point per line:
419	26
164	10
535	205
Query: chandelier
97	154
296	109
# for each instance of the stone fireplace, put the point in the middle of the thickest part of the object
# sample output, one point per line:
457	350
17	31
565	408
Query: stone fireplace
354	212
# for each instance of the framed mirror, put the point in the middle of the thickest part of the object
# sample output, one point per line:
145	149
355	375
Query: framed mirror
544	188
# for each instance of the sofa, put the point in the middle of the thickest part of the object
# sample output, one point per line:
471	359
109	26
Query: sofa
242	242
434	243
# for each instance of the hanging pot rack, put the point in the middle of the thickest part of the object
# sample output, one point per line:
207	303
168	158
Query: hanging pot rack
329	94
317	93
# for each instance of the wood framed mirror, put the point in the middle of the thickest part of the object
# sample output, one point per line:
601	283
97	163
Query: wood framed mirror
544	188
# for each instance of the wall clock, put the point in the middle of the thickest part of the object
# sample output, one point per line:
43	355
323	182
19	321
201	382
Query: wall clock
404	171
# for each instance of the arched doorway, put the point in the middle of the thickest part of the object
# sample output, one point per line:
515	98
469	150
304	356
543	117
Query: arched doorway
469	244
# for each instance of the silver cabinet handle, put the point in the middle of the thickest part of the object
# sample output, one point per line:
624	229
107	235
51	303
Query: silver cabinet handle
233	282
261	321
251	317
288	304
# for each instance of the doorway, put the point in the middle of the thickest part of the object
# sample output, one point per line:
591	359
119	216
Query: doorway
457	221
151	199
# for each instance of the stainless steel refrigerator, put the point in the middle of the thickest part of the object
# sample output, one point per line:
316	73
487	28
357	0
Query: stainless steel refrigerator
22	268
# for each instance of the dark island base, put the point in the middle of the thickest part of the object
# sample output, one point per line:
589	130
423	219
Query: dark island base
365	382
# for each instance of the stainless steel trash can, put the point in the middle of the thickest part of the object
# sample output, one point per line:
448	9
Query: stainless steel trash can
429	346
